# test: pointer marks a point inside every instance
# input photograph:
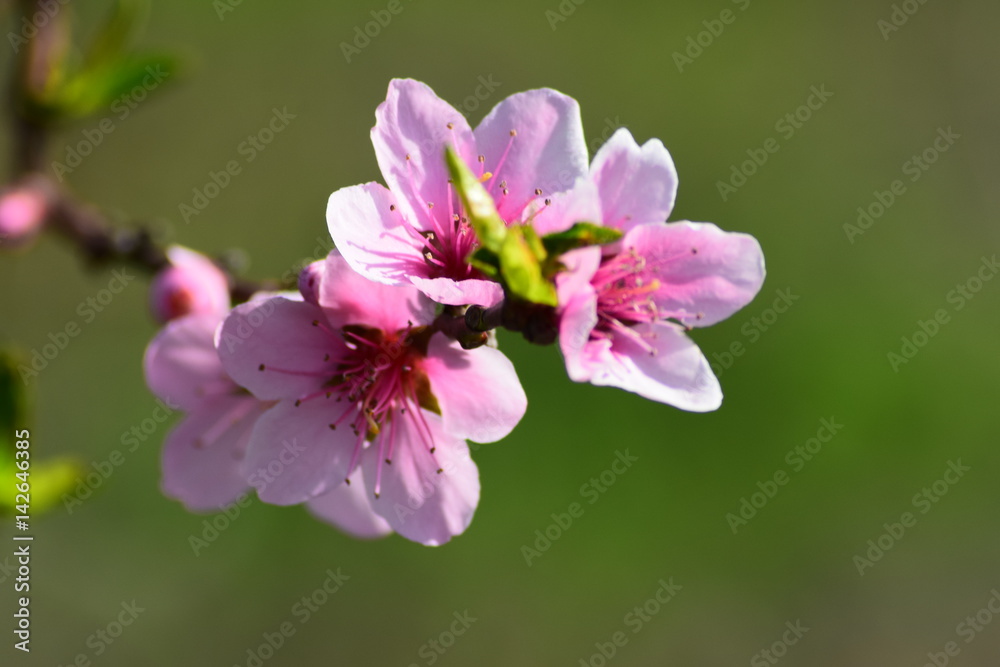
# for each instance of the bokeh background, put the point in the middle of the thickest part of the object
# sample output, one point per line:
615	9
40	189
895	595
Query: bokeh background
824	358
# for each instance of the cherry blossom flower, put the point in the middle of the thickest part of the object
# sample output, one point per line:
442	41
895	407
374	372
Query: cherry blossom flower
202	454
373	397
624	312
415	232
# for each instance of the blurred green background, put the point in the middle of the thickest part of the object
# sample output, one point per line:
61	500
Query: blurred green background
825	357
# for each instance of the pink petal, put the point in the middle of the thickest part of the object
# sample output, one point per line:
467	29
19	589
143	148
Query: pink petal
478	390
181	364
548	152
418	502
564	209
459	292
348	507
372	238
577	320
637	185
202	455
677	373
702	269
273	348
349	298
293	453
413	122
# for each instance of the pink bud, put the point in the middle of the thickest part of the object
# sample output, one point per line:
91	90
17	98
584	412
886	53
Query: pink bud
310	279
191	284
22	212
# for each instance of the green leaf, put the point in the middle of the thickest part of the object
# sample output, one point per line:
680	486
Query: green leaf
580	235
486	222
522	269
121	82
49	480
126	21
486	262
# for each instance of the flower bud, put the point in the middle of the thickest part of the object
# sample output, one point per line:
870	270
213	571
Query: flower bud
22	212
190	284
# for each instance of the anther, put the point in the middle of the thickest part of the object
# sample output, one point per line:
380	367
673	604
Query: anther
261	367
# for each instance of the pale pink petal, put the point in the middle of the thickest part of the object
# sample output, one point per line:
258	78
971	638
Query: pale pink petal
459	292
274	349
372	236
349	298
420	503
637	185
190	285
578	317
414	122
706	274
665	366
547	151
181	364
348	507
478	390
202	455
562	210
295	455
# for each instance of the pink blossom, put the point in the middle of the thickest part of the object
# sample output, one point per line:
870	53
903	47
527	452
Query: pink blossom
202	454
414	232
625	313
22	212
373	397
190	285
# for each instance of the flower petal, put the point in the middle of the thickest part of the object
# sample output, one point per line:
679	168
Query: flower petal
371	237
478	390
410	134
348	507
564	209
706	274
181	364
202	454
547	150
674	372
420	503
272	348
460	292
293	453
637	185
349	298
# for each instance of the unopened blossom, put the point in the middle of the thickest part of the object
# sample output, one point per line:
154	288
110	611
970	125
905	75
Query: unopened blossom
415	232
191	284
625	313
22	212
372	397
